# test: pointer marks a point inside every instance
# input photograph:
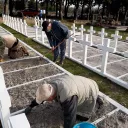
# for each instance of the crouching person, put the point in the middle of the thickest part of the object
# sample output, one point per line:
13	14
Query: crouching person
15	48
76	94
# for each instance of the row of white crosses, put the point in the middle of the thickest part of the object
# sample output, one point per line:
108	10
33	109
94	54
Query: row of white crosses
102	34
86	43
16	24
7	120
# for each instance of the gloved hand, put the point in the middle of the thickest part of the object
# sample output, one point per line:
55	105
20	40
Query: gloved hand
28	110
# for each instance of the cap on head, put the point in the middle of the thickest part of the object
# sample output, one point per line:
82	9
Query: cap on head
44	92
45	25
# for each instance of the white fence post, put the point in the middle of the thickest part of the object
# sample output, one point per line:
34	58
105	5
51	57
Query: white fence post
42	36
21	25
102	34
25	28
41	21
91	31
82	31
116	36
70	41
85	48
36	30
105	50
38	21
85	43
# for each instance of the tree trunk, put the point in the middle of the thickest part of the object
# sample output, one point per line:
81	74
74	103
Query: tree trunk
103	10
82	11
56	9
46	7
76	12
36	5
10	7
61	10
118	14
6	7
125	14
66	9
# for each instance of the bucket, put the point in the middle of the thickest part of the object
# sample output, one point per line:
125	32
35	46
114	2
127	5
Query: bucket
84	125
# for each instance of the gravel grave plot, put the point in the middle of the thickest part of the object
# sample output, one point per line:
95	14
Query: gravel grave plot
23	76
125	78
20	64
49	115
117	120
122	48
91	52
118	68
23	95
95	61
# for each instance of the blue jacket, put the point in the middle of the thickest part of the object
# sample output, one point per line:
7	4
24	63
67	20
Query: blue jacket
58	33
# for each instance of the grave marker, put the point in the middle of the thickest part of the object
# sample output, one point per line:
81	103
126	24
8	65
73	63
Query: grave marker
82	31
91	31
116	36
73	28
105	49
103	34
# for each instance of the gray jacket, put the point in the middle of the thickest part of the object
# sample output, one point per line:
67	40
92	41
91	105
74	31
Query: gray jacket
85	89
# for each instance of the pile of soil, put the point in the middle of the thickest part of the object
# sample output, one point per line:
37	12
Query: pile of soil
117	120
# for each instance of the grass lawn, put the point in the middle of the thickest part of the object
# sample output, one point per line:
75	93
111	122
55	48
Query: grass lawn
106	86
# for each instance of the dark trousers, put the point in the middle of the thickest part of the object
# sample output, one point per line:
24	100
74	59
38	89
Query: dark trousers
60	50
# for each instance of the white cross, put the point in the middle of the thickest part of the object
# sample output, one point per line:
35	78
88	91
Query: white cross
70	41
73	28
103	34
105	50
116	36
91	31
82	31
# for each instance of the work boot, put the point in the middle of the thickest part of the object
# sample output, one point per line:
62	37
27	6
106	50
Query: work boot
61	63
100	101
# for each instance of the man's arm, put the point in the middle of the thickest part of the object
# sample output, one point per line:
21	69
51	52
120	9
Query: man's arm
70	109
50	39
32	105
